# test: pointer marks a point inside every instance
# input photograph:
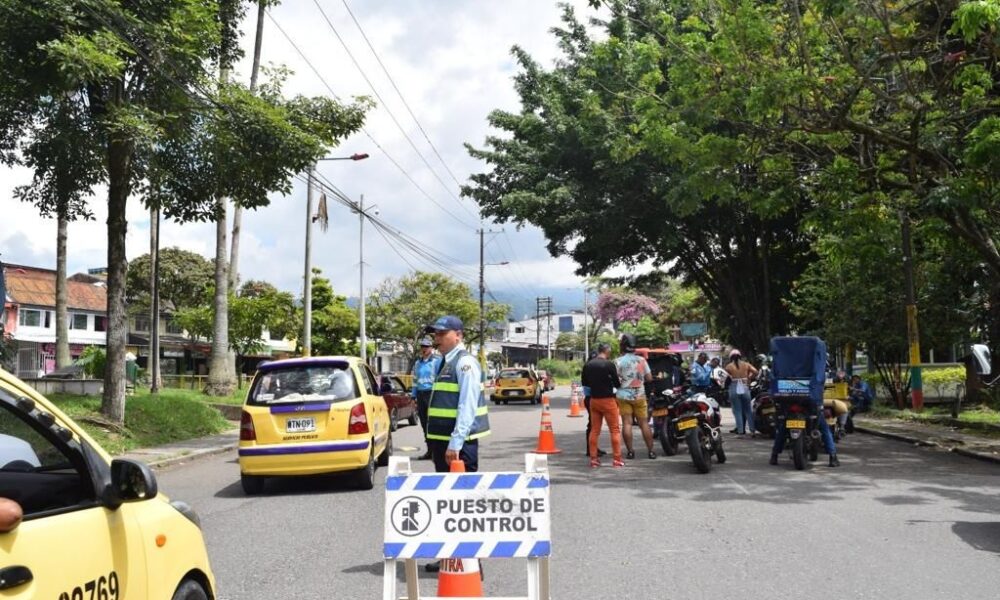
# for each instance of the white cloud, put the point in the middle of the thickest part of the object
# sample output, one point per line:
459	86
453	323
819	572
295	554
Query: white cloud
452	62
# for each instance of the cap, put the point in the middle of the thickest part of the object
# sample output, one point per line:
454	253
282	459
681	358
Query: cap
734	352
426	342
445	323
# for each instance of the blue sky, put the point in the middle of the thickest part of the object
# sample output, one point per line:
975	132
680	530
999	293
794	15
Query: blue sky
451	61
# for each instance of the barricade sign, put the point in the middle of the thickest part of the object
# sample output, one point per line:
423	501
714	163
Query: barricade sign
467	515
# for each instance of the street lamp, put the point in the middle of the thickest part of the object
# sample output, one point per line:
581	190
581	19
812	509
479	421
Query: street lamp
307	287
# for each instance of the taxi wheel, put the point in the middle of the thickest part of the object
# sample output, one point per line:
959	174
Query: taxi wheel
393	420
365	478
190	590
252	485
414	419
383	459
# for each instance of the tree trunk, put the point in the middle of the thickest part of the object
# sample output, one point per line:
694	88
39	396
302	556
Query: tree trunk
63	358
221	375
119	167
234	256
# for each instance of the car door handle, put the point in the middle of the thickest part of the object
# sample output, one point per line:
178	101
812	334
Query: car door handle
11	577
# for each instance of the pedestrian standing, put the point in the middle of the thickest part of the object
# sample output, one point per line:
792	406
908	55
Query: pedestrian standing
600	376
586	406
424	371
633	372
741	372
701	374
457	413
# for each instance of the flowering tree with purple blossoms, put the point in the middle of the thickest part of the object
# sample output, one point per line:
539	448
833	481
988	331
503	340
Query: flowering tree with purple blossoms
618	305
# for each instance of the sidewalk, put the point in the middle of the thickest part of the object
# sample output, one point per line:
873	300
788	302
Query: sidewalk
965	442
162	456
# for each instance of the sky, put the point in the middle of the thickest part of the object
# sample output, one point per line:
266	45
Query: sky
451	61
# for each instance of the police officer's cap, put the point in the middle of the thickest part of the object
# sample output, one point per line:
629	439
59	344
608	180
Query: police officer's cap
445	323
426	342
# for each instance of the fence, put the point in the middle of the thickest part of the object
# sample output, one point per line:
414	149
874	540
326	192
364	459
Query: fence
184	382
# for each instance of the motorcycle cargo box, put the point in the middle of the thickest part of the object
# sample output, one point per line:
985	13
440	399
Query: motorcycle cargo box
798	365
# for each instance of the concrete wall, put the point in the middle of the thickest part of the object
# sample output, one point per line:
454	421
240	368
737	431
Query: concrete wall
86	387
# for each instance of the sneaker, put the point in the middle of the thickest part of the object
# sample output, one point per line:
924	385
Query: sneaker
734	430
618	464
651	454
601	452
433	567
629	455
834	461
774	458
594	463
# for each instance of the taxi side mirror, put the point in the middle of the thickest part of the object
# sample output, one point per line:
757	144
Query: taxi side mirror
131	480
981	359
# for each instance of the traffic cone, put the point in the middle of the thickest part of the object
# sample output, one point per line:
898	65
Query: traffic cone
545	399
459	577
546	437
574	405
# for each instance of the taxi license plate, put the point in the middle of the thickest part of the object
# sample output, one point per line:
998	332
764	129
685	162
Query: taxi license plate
300	425
686	424
767	411
513	393
660	412
796	424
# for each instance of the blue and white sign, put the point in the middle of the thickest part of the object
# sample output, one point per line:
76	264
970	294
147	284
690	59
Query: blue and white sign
467	515
793	387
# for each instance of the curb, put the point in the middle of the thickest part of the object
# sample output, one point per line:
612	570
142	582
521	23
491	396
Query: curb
179	458
925	444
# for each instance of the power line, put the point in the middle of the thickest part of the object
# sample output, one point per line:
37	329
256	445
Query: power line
365	131
385	105
400	94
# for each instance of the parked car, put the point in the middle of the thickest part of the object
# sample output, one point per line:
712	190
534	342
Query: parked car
401	404
91	525
517	384
307	416
548	382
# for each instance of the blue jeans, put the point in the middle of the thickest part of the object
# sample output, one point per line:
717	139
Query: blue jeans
741	410
824	429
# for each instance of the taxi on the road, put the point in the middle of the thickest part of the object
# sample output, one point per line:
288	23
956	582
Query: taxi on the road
315	415
517	384
92	527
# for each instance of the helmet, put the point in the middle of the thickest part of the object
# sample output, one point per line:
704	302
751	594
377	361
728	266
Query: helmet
762	359
627	343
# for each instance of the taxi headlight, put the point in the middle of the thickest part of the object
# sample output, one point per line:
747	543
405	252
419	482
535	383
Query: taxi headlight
185	509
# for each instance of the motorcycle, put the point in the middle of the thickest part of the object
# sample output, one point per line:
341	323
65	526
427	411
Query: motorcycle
802	435
663	414
698	422
764	411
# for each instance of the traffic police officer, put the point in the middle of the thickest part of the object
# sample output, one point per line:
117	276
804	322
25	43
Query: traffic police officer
424	371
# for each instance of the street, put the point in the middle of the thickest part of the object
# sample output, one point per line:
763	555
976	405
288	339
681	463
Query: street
894	522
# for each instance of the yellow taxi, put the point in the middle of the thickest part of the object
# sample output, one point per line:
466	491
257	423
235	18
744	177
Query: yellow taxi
92	527
307	416
517	384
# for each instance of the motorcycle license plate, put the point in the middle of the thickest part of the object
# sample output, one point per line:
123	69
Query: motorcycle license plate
687	424
767	411
660	412
796	424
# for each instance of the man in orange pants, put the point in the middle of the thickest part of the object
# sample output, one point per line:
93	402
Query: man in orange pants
601	376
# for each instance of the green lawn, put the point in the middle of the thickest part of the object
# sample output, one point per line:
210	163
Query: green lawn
174	415
971	414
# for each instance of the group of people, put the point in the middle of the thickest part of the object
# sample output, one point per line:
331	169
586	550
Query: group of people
709	376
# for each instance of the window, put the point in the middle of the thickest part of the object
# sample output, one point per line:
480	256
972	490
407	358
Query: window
142	324
48	319
78	321
100	323
30	318
173	327
369	378
519	329
37	470
331	382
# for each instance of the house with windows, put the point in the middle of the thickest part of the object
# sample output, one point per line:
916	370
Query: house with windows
29	316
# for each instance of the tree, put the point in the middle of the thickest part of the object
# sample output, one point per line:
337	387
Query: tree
184	278
138	73
398	310
335	325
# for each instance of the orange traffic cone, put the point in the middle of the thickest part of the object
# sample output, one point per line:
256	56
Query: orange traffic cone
545	399
574	405
546	437
459	577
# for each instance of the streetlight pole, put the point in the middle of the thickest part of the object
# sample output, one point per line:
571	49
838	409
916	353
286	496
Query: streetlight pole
586	323
361	283
482	293
307	283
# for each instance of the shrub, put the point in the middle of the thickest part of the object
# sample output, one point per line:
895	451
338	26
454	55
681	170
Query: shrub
561	368
92	359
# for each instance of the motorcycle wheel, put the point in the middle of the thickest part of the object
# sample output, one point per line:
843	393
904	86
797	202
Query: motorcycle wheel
799	452
849	426
698	455
813	450
720	454
666	441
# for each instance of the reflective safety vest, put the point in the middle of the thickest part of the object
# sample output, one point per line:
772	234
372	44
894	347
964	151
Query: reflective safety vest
442	411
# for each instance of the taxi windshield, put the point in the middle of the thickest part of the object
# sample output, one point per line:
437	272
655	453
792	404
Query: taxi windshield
325	383
514	374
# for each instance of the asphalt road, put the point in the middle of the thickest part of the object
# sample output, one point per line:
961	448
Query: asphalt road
894	522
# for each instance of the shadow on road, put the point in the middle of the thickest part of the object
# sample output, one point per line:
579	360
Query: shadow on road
294	486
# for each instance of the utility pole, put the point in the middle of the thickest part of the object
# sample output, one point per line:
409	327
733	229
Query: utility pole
912	332
548	328
543	303
361	285
538	326
154	288
307	287
586	324
482	300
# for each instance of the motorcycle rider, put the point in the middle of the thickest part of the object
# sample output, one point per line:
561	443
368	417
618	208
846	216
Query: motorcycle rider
633	371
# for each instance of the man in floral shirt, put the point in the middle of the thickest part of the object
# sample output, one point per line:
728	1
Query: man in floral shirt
633	371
